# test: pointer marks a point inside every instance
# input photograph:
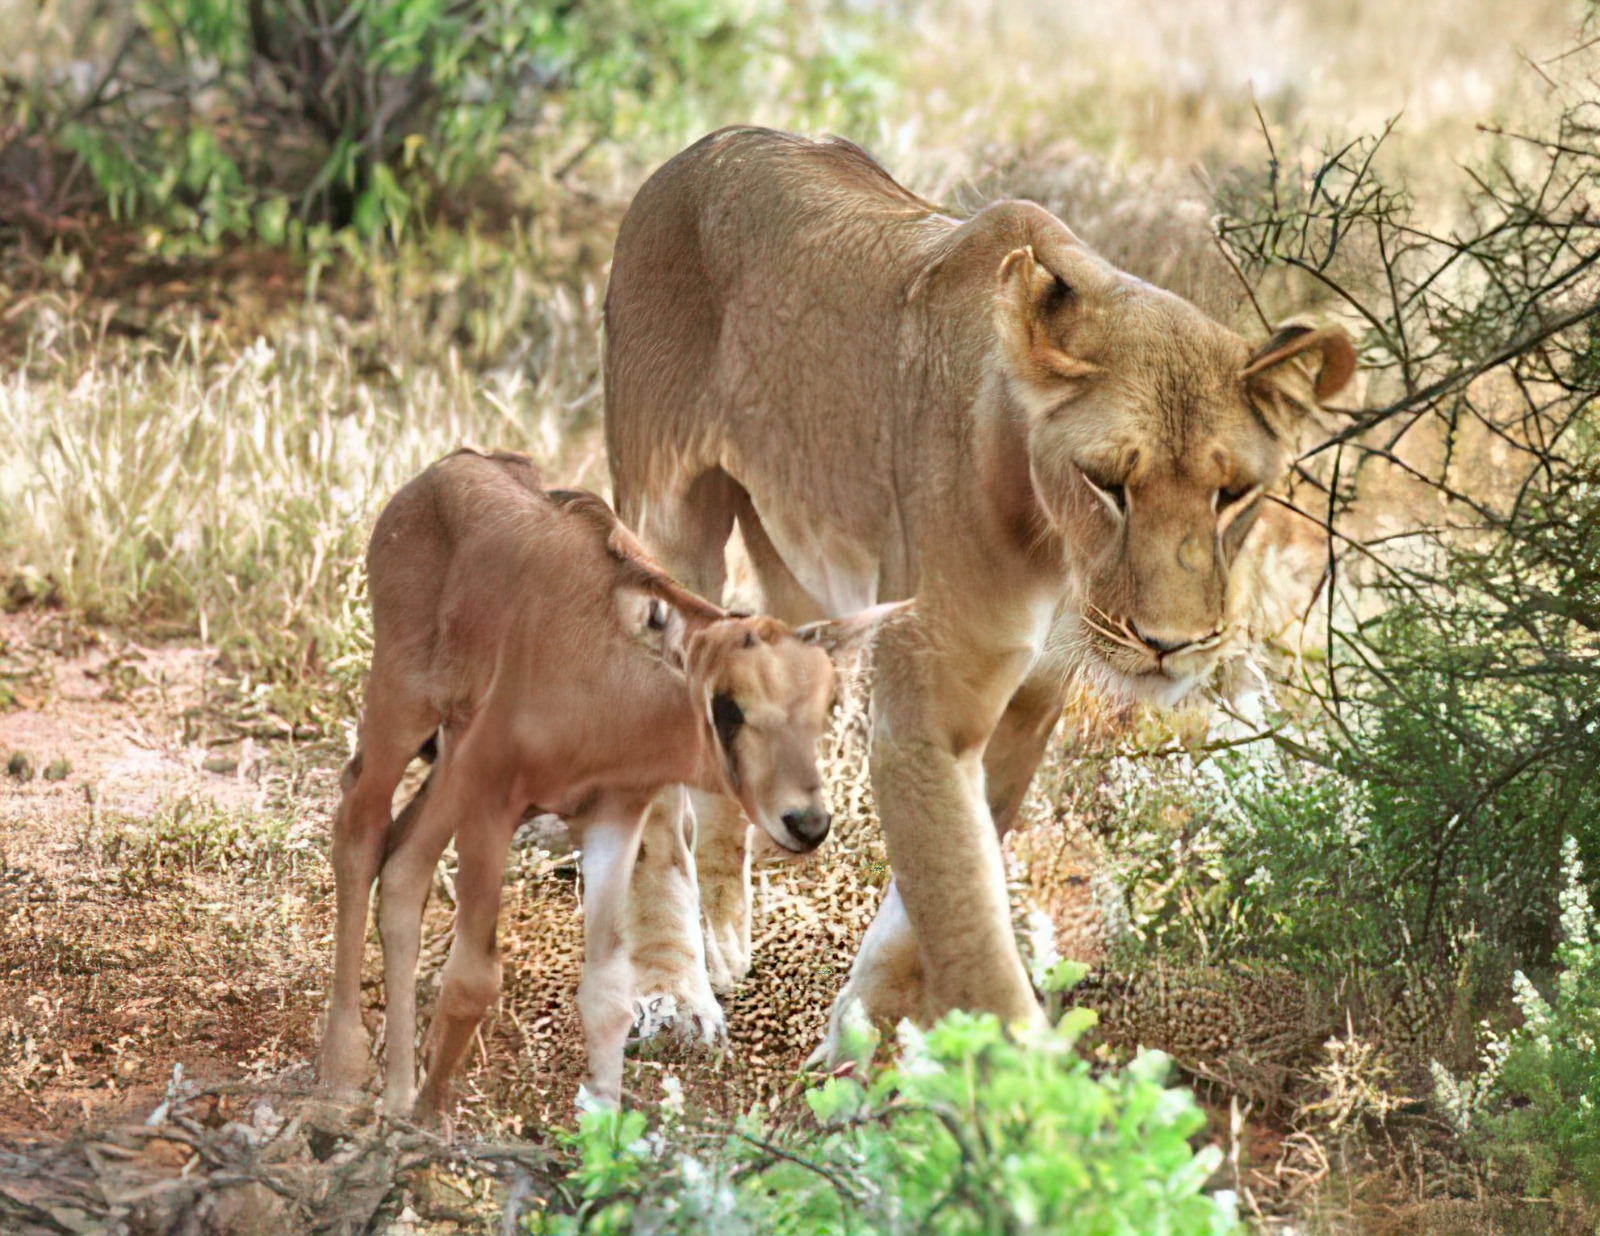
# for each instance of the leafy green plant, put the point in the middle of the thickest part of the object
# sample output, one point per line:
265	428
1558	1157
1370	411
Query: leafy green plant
973	1129
293	119
1534	1104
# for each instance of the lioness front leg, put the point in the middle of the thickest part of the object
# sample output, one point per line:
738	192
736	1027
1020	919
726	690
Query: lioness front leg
935	706
888	978
664	934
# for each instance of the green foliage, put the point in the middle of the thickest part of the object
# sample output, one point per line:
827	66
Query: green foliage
1535	1103
284	119
972	1130
1459	683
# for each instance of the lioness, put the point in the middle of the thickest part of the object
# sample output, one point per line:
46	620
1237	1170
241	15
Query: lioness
1058	460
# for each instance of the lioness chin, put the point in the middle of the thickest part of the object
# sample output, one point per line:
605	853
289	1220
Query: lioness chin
1060	462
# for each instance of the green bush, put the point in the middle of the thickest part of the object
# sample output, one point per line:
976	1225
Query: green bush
282	119
971	1130
1534	1105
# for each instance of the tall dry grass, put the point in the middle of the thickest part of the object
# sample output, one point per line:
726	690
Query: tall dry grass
224	488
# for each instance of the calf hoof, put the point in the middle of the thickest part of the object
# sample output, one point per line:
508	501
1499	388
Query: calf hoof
667	1025
344	1067
399	1103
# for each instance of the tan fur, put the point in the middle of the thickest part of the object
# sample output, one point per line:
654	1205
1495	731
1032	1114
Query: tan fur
1058	461
507	627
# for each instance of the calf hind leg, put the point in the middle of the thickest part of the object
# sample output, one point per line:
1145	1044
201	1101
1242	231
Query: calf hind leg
392	729
453	795
470	982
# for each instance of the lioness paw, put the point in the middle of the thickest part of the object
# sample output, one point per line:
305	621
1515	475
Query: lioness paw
666	1025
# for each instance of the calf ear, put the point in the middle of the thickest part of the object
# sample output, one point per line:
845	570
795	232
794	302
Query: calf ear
839	635
1035	312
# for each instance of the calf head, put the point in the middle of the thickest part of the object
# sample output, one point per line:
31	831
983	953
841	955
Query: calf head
764	695
765	690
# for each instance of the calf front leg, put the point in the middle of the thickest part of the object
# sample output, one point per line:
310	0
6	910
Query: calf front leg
610	844
664	933
470	981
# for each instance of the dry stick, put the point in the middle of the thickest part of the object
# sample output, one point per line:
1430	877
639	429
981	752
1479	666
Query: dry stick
1466	373
1233	264
832	1178
1330	578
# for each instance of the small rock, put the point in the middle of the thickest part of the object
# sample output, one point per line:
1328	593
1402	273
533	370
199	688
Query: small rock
20	766
249	1210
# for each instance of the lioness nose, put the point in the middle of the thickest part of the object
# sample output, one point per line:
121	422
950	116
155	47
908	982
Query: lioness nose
809	826
1163	643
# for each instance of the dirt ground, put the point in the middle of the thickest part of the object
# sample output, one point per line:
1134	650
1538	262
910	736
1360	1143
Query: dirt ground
166	909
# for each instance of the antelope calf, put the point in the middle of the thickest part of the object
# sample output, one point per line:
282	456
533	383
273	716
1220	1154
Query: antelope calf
526	635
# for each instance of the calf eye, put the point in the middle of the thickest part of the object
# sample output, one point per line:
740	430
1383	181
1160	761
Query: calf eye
726	718
657	621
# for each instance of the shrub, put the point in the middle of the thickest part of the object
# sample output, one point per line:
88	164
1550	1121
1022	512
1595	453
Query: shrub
1534	1105
282	117
971	1130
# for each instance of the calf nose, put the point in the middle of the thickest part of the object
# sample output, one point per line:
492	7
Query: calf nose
808	826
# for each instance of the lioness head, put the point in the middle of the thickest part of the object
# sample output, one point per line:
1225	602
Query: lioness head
1154	434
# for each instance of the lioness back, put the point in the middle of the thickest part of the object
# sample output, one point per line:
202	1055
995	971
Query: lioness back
769	294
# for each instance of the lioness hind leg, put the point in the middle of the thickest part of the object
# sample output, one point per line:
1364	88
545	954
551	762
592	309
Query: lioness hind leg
722	859
688	529
675	1001
782	595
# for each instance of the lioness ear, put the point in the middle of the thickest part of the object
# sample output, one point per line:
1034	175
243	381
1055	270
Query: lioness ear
1033	314
1303	360
837	635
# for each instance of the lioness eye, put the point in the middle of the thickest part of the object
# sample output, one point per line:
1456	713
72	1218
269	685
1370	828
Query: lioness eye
1114	494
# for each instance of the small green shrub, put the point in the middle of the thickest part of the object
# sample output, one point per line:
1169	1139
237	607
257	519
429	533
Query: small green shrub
289	120
1534	1105
971	1130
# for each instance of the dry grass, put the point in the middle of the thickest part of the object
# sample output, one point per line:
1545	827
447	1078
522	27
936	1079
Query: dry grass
205	484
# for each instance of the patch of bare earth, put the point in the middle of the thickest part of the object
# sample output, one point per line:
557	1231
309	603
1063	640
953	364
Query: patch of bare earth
166	909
